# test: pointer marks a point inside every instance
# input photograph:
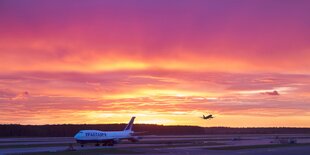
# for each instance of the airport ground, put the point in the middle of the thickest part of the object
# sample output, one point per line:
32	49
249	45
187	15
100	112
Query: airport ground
288	144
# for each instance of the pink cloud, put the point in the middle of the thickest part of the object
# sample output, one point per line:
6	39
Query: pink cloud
253	37
273	93
62	57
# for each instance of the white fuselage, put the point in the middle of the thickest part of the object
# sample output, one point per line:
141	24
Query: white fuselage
96	135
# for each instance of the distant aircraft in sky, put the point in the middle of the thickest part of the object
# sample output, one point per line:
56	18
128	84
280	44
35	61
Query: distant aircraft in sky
207	117
106	138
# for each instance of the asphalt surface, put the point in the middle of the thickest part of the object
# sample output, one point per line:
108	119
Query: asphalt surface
188	144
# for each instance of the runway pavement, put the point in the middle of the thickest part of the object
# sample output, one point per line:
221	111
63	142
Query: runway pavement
152	144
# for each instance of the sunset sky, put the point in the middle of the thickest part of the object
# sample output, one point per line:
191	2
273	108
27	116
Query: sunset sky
164	61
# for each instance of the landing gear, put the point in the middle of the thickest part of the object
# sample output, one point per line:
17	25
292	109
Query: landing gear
110	143
82	145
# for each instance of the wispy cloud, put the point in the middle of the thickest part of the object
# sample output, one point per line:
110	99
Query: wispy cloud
159	91
275	93
102	36
67	63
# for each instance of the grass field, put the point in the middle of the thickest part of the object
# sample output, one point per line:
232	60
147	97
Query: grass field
32	145
257	146
100	150
89	152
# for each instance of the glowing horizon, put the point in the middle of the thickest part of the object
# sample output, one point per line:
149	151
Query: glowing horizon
166	62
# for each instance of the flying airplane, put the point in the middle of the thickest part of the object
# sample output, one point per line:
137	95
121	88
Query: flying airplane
107	138
207	117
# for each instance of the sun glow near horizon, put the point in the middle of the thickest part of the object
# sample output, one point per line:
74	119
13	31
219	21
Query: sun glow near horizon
96	62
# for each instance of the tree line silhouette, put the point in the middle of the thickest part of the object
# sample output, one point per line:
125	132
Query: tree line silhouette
68	130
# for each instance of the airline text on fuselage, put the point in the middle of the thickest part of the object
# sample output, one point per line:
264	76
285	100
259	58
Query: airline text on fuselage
96	134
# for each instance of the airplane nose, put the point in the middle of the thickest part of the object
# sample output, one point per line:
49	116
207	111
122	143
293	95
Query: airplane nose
76	136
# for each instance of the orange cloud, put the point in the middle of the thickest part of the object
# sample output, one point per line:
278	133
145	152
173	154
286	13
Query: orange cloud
169	95
96	60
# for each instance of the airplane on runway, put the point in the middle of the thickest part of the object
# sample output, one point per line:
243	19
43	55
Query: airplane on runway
207	117
107	138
